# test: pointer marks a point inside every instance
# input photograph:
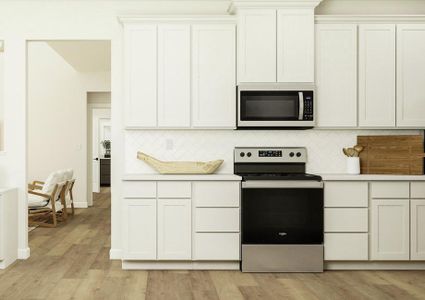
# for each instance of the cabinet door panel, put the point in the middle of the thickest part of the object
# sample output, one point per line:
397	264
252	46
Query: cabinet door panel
417	227
295	45
174	75
140	44
174	229
346	246
410	75
390	230
377	75
346	194
214	76
336	75
257	45
139	229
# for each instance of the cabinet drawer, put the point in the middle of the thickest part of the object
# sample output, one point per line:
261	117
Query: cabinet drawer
346	246
346	194
346	219
216	246
217	220
216	194
417	189
139	189
389	189
174	189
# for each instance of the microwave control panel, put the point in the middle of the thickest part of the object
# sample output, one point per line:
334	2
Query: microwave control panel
308	106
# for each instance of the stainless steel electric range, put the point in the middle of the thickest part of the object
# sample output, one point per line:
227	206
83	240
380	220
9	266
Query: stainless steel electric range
281	211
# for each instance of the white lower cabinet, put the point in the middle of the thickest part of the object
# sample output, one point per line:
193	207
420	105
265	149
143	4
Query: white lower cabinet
139	229
390	229
346	246
181	221
174	229
417	229
216	246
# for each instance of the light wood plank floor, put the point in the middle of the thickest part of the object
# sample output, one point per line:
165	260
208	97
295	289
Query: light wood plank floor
71	262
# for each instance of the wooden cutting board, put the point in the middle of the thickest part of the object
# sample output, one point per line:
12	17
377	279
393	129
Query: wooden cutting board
392	154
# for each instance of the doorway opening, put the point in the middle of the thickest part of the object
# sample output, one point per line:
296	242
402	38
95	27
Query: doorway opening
99	150
68	94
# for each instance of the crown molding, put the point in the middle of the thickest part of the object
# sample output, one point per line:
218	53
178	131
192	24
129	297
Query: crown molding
247	4
134	19
359	19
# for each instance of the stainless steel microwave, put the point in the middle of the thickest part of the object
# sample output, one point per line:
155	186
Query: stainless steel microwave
268	106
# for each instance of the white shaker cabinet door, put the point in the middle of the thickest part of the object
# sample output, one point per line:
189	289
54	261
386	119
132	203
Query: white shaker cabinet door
174	229
390	229
377	75
140	75
174	75
295	45
336	75
214	76
257	45
417	227
410	75
139	229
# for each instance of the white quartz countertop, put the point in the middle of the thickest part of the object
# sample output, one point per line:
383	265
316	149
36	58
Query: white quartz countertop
159	177
371	177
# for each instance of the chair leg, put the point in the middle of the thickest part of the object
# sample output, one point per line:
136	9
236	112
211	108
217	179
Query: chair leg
64	209
71	196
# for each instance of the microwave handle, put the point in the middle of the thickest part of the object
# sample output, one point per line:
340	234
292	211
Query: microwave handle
301	106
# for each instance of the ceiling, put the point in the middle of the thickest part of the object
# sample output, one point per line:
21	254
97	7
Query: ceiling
85	56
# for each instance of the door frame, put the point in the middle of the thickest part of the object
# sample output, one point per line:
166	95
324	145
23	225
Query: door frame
90	108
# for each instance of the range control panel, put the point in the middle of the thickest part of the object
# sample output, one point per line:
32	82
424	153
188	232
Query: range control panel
270	154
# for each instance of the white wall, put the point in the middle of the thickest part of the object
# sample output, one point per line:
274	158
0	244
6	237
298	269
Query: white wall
324	146
77	20
1	96
57	105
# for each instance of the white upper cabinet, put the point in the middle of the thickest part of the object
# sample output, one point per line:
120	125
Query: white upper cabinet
214	76
174	75
377	75
257	45
295	45
140	75
181	73
336	75
410	75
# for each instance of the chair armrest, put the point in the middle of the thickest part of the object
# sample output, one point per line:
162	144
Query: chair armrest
39	194
37	182
34	187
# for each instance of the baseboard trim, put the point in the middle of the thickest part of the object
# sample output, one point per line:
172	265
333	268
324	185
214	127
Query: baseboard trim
180	265
24	253
115	254
375	265
80	205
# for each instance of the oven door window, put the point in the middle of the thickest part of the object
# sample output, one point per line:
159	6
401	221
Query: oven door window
269	105
282	216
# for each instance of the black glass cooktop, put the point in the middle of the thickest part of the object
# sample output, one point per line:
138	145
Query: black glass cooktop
284	176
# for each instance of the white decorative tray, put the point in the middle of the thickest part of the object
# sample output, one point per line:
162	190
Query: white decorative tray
180	167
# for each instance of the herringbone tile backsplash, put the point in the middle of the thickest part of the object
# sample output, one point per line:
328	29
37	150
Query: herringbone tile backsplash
324	146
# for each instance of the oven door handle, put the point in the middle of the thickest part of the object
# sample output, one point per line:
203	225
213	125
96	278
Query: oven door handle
276	184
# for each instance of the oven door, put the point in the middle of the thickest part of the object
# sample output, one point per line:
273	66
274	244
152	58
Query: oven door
282	212
273	108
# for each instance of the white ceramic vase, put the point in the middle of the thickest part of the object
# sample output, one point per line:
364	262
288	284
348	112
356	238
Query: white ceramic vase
353	165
